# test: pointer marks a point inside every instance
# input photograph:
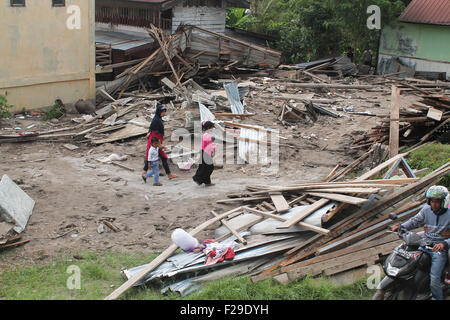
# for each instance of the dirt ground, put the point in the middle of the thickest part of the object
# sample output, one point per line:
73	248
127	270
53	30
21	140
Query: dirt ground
73	191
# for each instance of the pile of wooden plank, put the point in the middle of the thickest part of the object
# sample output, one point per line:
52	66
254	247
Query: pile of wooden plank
415	124
352	233
359	239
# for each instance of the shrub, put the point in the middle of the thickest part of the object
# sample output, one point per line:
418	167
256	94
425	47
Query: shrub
54	112
4	112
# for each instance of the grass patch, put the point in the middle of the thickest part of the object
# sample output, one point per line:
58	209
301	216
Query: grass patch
98	273
431	156
308	289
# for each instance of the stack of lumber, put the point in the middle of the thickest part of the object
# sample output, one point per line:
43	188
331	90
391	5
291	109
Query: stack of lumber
356	235
359	239
427	119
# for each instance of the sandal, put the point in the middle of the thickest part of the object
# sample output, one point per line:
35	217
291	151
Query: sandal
157	184
172	176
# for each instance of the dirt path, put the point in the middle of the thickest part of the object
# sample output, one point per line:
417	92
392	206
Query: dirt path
73	191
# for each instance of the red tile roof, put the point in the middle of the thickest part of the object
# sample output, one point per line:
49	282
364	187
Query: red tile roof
427	12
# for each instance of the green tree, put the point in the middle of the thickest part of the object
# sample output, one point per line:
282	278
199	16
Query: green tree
313	29
237	18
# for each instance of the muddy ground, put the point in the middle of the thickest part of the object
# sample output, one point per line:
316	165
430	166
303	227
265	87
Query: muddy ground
73	191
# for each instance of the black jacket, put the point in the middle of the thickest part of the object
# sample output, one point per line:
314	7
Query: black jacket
157	124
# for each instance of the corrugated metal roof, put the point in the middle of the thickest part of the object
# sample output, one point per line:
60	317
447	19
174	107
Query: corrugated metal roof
427	12
121	41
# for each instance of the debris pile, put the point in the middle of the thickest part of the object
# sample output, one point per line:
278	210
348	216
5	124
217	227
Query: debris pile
424	120
289	232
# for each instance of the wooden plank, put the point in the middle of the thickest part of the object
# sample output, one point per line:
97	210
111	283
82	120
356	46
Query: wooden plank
227	225
244	199
347	190
70	147
371	260
163	256
269	206
369	229
388	200
128	132
339	197
323	259
280	202
303	214
306	267
271	215
394	125
122	166
14	244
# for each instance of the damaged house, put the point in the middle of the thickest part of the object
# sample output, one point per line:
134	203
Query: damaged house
419	42
121	25
47	52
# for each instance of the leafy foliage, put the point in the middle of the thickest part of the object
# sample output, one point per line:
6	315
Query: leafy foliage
54	112
237	18
313	29
4	108
431	156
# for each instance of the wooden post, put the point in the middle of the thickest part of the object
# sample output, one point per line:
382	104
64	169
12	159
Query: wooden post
395	124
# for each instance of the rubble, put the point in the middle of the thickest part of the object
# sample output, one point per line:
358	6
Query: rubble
16	208
358	238
285	232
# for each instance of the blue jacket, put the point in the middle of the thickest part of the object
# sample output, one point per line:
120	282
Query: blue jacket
436	225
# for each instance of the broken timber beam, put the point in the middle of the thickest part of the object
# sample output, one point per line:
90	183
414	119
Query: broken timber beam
303	214
227	225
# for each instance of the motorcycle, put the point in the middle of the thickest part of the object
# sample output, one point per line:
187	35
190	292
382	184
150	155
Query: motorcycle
407	270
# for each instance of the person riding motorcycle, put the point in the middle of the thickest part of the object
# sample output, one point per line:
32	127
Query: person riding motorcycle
435	216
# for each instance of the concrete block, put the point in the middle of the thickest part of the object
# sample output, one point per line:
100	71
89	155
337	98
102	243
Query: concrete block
15	205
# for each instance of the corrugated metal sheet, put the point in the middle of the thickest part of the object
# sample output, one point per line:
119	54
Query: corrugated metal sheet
427	12
122	41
